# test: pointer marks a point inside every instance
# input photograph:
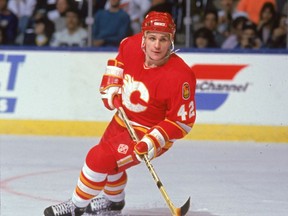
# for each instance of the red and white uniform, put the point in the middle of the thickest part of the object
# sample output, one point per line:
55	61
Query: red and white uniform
160	98
159	101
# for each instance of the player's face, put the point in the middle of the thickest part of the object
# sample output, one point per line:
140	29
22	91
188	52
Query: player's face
157	45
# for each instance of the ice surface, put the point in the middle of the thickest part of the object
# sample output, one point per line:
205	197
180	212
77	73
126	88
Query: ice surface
222	178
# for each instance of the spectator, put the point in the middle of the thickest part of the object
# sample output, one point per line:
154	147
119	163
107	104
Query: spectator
136	9
198	8
73	34
252	8
82	6
225	17
267	22
58	15
204	38
211	23
248	38
42	33
234	38
8	22
110	26
279	35
99	5
29	34
23	9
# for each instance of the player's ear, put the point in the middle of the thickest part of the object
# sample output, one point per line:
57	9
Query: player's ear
172	46
143	42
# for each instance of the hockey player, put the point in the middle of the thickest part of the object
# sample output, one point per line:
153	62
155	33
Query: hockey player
157	90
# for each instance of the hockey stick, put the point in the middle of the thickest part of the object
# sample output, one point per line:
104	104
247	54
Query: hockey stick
174	210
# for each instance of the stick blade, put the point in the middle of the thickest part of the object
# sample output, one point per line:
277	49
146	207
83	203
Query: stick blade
184	209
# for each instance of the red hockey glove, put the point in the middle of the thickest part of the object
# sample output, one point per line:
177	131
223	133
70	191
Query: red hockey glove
151	144
111	83
141	148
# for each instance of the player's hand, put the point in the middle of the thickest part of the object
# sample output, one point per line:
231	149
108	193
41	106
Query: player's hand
140	149
151	145
108	96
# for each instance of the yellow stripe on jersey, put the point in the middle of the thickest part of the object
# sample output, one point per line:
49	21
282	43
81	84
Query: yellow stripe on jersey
168	145
178	126
119	120
121	123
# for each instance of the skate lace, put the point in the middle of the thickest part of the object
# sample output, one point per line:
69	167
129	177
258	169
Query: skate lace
63	208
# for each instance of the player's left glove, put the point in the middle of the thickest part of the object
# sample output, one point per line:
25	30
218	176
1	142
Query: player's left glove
111	83
151	144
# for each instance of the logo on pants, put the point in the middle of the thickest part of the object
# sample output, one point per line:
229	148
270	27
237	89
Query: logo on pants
123	148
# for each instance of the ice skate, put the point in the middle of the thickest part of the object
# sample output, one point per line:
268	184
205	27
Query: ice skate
64	209
103	206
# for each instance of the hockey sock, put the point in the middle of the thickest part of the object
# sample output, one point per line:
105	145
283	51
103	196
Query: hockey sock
89	185
114	187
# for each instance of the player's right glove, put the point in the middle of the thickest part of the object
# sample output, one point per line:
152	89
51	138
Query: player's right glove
151	145
112	82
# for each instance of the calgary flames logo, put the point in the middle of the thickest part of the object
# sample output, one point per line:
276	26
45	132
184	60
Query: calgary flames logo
136	90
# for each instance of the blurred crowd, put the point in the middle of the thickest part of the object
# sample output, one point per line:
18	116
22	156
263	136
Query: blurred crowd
226	24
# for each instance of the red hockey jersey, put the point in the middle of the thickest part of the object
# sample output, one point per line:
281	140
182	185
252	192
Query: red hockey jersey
160	97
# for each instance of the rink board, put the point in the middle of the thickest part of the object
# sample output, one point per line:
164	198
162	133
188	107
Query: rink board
96	129
239	96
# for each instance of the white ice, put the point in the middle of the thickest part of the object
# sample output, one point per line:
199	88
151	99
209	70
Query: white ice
222	178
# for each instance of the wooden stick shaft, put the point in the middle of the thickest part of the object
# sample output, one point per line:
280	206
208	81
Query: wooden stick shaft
151	169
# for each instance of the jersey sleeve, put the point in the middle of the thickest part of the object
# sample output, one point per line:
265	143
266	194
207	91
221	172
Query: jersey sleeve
181	113
181	110
129	48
